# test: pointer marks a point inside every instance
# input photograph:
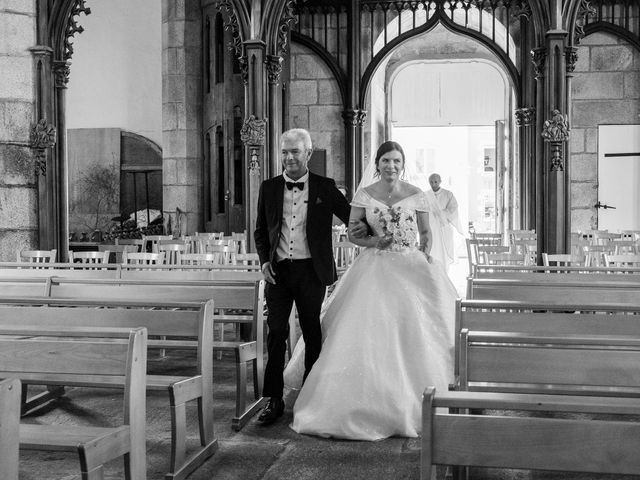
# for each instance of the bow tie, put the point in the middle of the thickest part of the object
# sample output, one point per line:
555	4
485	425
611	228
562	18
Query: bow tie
298	185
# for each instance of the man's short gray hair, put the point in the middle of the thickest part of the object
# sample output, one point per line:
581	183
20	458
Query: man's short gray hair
301	134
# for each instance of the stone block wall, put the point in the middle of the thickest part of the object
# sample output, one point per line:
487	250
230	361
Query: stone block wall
605	90
18	193
181	110
316	104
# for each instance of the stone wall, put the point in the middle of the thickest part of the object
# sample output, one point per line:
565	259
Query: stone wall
316	104
606	90
182	110
18	194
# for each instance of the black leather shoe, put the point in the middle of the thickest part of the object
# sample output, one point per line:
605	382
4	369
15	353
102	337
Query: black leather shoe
272	411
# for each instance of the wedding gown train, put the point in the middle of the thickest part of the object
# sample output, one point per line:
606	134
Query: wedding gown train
387	334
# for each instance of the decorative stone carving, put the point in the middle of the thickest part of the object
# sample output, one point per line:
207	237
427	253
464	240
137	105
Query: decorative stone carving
235	45
539	57
585	10
287	19
354	117
61	72
525	116
274	68
571	57
252	135
43	136
73	27
555	131
521	9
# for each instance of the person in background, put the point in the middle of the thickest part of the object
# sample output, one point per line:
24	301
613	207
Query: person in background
444	220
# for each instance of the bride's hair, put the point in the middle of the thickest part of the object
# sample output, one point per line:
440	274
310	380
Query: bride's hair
386	147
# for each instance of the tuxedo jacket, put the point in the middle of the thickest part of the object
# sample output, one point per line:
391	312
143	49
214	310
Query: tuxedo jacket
325	200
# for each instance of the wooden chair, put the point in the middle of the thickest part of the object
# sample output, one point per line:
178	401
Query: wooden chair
630	235
142	258
484	250
517	235
89	257
9	427
197	259
247	259
594	254
224	254
117	250
621	260
150	242
592	235
138	242
344	253
172	250
473	255
506	259
488	238
241	241
626	247
561	260
37	256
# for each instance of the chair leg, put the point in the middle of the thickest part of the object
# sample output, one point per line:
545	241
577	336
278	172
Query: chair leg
96	473
178	435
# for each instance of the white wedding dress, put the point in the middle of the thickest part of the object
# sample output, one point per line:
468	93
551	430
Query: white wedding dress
387	334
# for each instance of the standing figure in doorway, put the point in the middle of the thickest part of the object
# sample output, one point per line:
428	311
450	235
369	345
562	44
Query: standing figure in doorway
444	221
294	242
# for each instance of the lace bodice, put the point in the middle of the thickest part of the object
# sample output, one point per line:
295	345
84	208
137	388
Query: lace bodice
398	220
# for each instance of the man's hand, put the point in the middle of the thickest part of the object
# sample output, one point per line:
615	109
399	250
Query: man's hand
358	229
269	274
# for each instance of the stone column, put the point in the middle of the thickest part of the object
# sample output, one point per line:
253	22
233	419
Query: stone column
57	178
182	138
353	116
274	69
254	128
525	121
18	191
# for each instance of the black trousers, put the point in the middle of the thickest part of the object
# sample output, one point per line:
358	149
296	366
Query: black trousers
296	281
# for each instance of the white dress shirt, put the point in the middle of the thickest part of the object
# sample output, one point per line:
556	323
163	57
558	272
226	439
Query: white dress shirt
293	235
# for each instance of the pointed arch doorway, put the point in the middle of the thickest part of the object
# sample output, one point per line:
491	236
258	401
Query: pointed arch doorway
447	100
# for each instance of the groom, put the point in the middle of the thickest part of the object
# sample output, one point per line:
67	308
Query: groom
294	243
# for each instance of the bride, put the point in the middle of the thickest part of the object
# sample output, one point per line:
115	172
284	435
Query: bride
387	327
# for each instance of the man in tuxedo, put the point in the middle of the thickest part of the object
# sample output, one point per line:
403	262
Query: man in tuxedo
294	243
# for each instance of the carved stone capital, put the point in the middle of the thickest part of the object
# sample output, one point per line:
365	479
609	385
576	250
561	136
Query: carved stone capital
284	27
43	136
571	57
539	58
41	52
274	68
525	116
61	72
253	131
354	117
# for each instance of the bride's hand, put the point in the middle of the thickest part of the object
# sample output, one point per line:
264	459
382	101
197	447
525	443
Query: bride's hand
384	242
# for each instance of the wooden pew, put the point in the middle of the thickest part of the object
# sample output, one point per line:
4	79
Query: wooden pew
183	322
588	291
592	445
557	373
556	273
97	361
232	296
9	427
538	318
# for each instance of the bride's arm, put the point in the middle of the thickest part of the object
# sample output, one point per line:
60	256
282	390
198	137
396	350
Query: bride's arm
356	215
425	231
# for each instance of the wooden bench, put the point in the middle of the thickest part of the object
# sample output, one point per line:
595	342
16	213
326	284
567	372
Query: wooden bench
589	291
537	318
182	322
97	361
246	298
595	445
556	273
551	373
9	427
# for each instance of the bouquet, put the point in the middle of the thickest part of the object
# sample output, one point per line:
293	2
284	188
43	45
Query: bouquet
400	227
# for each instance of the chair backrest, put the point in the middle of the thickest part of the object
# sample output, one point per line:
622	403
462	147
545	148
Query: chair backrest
225	254
9	427
247	259
488	238
621	260
143	258
516	235
507	259
345	253
561	260
138	242
241	241
622	246
37	256
150	242
594	254
89	257
198	259
484	250
172	249
473	255
118	249
630	235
